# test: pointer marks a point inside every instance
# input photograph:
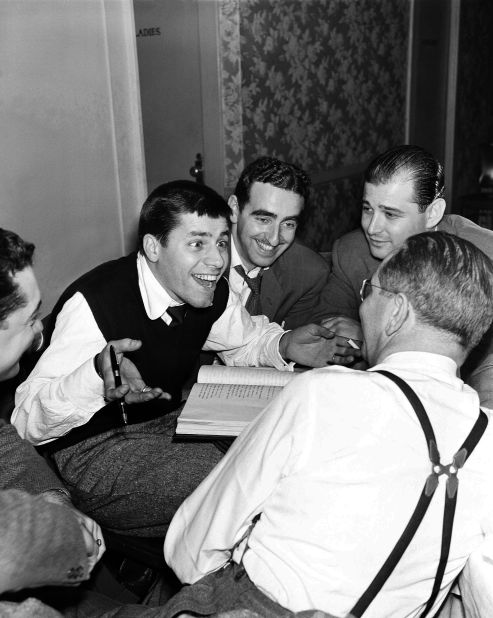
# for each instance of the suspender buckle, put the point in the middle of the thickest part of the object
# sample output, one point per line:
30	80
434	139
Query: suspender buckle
450	470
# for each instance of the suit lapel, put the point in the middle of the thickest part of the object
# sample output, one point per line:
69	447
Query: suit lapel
271	294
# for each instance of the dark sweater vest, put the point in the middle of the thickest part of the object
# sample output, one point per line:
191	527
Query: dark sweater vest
168	354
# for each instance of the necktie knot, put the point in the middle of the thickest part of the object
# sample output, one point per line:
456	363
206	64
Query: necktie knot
177	314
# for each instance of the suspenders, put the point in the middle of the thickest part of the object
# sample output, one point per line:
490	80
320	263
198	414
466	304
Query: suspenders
427	493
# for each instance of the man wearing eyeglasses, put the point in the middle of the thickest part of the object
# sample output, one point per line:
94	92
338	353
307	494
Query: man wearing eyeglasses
402	196
312	498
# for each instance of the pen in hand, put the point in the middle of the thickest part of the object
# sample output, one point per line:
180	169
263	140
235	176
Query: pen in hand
115	367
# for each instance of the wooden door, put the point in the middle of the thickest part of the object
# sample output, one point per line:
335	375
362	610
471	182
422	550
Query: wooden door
176	73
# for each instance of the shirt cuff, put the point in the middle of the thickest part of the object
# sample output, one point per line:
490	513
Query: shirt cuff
277	360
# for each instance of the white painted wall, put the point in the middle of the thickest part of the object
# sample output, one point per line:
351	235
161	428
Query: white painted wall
72	173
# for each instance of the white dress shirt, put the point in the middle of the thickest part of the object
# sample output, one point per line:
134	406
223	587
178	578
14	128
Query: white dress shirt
64	391
336	465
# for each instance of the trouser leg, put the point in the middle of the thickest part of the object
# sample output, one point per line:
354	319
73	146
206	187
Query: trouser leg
133	480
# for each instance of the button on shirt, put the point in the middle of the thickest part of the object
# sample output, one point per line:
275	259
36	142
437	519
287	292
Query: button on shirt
64	391
336	465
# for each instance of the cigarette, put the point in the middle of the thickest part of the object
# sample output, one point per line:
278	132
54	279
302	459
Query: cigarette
353	344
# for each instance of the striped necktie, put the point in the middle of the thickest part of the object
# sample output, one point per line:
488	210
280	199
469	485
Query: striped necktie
253	301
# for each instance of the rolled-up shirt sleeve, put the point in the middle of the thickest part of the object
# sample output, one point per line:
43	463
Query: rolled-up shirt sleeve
244	340
63	391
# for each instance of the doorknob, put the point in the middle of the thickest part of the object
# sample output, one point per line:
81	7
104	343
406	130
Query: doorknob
196	171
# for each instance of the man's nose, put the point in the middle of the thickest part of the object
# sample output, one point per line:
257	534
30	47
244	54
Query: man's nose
215	257
274	235
375	224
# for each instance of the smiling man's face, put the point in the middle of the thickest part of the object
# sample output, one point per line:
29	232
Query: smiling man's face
194	258
390	215
20	327
266	226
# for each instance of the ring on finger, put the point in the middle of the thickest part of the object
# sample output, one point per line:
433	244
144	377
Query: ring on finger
145	389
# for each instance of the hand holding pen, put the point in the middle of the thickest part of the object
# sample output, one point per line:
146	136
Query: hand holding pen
127	387
115	368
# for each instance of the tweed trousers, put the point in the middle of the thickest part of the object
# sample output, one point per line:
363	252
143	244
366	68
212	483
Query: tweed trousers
229	590
132	479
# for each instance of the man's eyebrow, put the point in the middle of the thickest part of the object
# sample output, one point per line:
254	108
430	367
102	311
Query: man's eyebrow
390	208
268	213
203	234
264	213
36	310
384	207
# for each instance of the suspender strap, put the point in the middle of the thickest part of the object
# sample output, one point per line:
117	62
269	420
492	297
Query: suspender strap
452	487
424	501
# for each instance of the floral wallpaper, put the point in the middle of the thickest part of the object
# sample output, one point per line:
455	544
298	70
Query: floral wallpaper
334	208
474	103
229	29
323	85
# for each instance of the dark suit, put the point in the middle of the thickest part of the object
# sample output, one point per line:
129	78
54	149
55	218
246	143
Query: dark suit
352	262
291	287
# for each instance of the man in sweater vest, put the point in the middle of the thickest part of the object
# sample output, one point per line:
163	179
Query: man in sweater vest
113	444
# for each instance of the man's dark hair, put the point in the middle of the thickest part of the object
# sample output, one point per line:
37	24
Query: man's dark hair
15	255
448	281
273	172
161	211
414	164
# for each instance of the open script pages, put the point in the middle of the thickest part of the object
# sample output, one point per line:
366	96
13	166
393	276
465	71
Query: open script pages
225	399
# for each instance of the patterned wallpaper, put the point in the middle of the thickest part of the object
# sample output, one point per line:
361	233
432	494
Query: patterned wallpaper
474	106
334	209
322	84
229	30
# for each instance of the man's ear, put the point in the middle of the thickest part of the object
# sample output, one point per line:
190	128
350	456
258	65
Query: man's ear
151	247
434	213
235	208
399	314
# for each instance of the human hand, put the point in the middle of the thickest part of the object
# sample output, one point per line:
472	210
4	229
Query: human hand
349	334
91	532
133	387
344	327
313	346
92	535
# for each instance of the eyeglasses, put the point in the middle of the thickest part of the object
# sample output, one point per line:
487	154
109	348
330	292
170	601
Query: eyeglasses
366	288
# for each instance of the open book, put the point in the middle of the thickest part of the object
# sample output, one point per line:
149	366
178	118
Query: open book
225	399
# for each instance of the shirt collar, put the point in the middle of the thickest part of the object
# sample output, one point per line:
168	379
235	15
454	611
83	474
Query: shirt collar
416	360
236	261
155	298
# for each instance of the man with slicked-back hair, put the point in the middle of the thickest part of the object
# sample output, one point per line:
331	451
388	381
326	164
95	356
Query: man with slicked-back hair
403	195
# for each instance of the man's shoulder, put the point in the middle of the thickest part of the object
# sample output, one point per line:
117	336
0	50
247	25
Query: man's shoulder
106	273
101	283
351	243
468	230
128	262
351	256
302	258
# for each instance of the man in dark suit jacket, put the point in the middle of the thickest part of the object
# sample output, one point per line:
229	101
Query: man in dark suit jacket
403	196
273	273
